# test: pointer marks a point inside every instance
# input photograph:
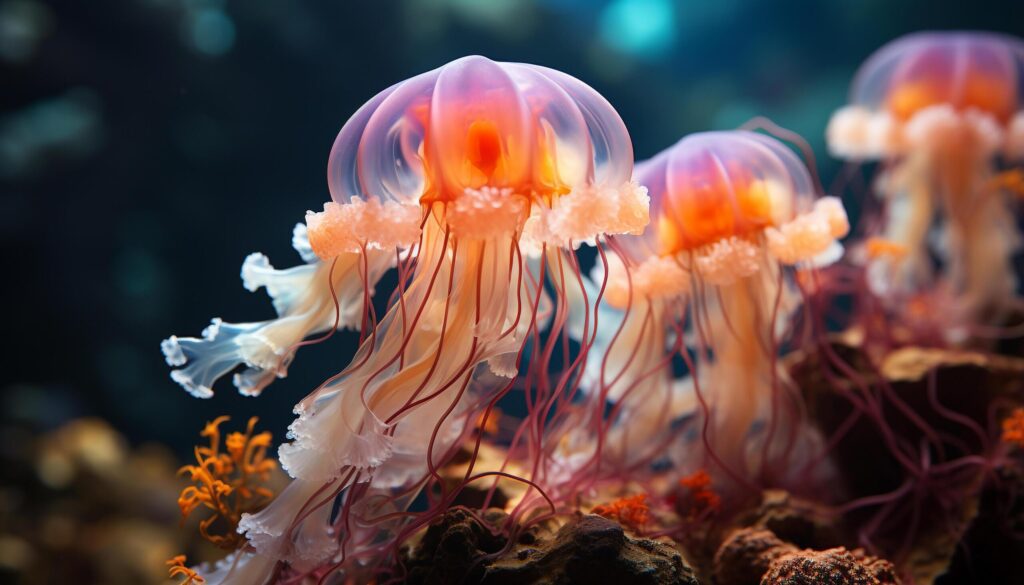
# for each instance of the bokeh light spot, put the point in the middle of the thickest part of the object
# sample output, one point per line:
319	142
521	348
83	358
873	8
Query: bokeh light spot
211	31
642	28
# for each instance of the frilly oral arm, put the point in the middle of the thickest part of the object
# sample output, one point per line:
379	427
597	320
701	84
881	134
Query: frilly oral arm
309	299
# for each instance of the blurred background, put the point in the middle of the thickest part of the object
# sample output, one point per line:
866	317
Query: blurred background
147	146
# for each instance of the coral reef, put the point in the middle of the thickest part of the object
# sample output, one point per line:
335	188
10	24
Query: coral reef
747	555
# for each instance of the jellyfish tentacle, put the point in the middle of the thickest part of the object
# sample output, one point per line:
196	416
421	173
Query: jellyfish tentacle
309	299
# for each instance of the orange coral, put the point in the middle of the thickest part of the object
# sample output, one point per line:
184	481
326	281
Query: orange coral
1013	427
176	568
227	482
631	511
697	481
699	499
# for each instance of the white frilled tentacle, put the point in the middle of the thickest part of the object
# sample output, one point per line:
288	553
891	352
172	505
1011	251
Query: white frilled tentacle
275	533
296	527
206	358
305	305
340	433
300	241
343	434
408	461
239	568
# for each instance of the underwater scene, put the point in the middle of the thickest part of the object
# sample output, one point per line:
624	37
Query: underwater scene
625	291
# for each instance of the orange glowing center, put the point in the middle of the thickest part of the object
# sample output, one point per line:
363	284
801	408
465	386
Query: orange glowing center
706	207
488	149
483	147
979	91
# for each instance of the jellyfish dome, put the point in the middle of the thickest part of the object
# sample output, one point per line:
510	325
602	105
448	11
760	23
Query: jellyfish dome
920	85
718	198
471	178
484	147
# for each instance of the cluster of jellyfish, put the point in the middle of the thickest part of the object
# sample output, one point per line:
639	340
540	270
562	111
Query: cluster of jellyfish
632	322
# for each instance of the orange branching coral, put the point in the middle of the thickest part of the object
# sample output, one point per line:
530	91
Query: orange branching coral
878	247
1013	428
631	511
1011	181
176	568
698	481
698	499
227	483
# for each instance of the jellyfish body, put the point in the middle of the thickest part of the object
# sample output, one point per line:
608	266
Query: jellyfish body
730	213
472	168
940	109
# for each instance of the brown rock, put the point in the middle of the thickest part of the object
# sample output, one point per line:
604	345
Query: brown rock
746	555
592	549
452	549
880	569
794	520
589	549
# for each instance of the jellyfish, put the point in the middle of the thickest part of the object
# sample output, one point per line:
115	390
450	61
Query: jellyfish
708	284
480	178
940	111
733	214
